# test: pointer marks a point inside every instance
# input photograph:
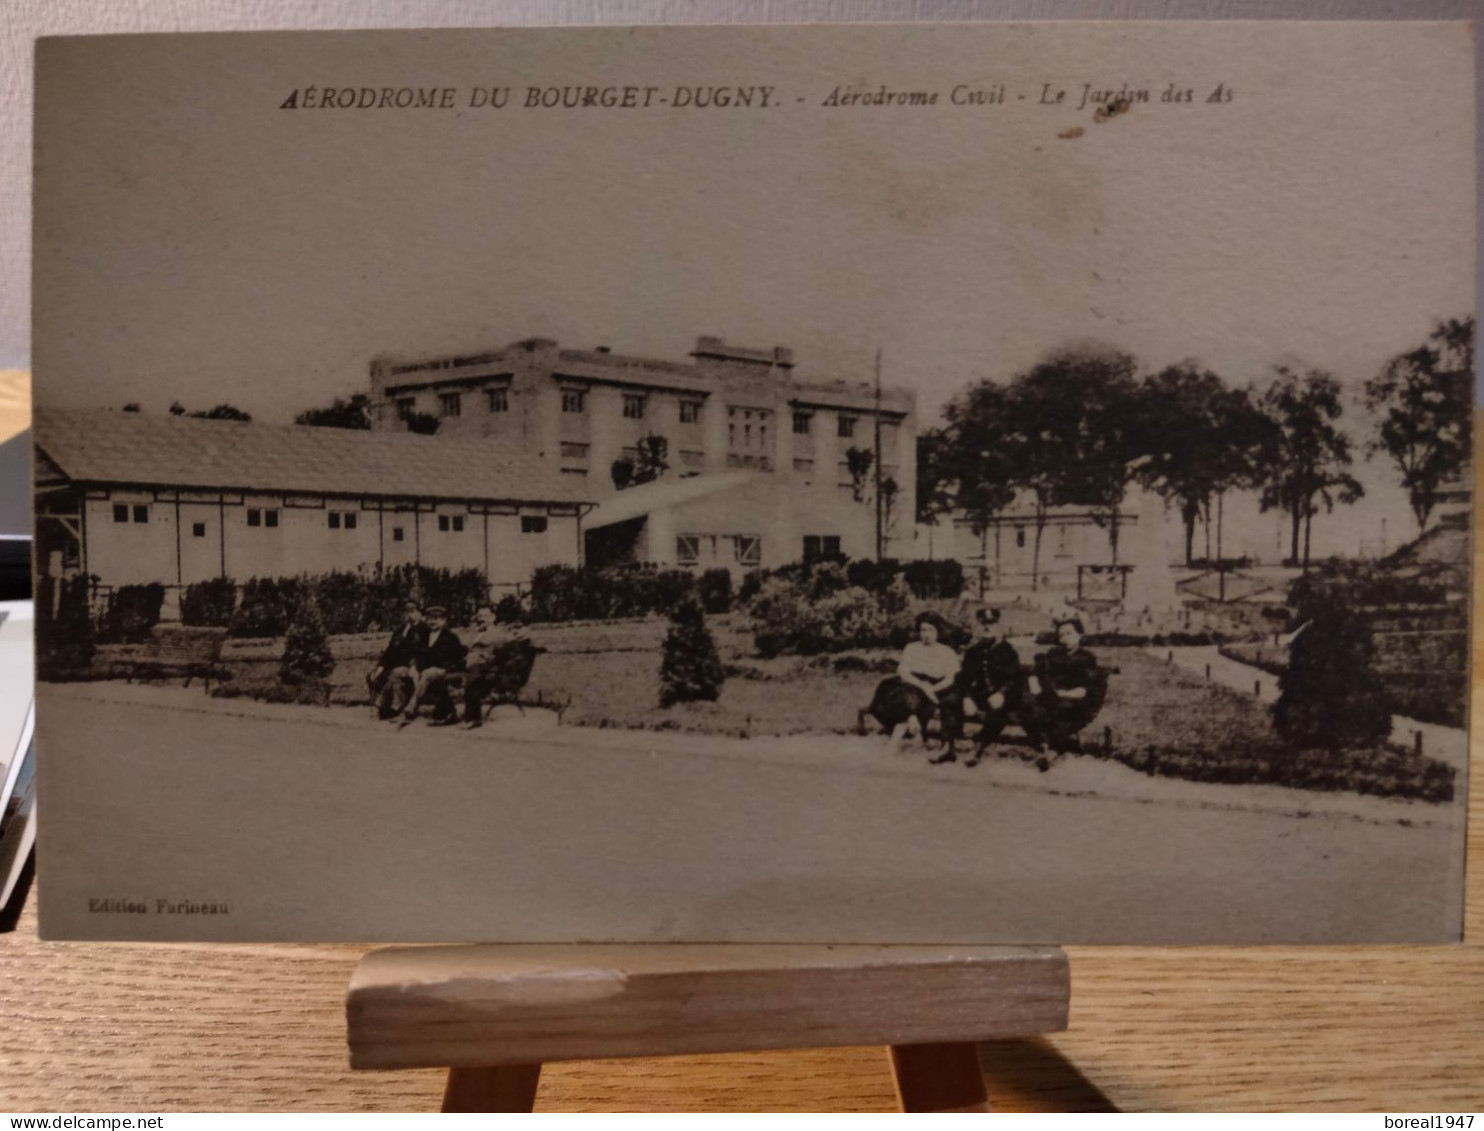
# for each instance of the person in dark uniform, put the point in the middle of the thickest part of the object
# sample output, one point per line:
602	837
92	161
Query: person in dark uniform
438	661
393	680
1065	693
990	684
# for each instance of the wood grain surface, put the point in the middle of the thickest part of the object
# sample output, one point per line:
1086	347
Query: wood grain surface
90	1027
486	1006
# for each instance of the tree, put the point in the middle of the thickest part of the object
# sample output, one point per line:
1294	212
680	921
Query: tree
934	476
1307	457
422	423
1200	439
177	409
649	461
653	458
858	461
1071	433
354	413
974	461
220	412
306	649
1427	396
691	669
1330	695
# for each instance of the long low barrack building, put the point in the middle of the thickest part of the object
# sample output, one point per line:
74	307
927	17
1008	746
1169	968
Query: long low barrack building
132	499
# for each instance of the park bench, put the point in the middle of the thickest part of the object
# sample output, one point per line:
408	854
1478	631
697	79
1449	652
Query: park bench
179	650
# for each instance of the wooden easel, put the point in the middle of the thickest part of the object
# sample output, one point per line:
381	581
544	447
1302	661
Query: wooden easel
493	1014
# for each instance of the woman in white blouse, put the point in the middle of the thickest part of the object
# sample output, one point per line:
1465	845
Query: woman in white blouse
906	703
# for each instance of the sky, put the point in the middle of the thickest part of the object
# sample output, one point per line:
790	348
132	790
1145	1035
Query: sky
197	242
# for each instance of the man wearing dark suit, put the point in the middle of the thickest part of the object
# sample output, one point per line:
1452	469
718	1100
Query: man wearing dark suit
394	678
1066	691
440	658
989	684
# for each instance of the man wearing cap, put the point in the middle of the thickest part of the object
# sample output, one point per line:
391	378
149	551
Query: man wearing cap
438	660
1065	693
989	684
393	680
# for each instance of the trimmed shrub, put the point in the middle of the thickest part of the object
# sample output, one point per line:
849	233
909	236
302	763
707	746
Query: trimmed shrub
509	610
351	603
306	658
1330	696
691	669
752	583
715	591
941	578
209	603
867	573
346	601
268	605
64	643
132	612
789	619
562	593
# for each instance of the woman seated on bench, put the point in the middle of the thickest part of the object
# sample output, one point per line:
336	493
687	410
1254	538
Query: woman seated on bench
908	700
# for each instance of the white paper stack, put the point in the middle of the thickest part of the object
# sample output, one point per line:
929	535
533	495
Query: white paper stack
17	746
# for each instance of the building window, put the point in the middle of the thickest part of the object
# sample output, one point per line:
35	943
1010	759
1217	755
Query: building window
451	523
574	400
398	534
574	451
690	412
270	518
804	466
449	404
257	517
847	426
141	512
801	423
749	550
499	400
405	406
533	524
342	520
818	546
633	407
687	549
198	530
120	512
1020	537
334	520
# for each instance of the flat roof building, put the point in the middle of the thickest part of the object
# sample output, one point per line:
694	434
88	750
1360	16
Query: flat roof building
775	445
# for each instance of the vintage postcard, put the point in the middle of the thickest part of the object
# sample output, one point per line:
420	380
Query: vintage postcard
900	483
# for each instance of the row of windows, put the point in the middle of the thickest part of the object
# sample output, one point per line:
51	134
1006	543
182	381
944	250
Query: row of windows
335	520
747	549
635	405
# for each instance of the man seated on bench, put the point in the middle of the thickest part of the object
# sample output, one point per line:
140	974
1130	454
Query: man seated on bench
499	665
440	662
989	685
393	680
1065	693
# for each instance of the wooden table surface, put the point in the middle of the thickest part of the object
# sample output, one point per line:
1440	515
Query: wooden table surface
88	1027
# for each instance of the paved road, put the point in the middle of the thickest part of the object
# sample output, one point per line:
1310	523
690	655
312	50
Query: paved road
345	829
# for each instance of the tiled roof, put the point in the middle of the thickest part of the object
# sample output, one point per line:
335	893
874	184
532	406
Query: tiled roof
106	446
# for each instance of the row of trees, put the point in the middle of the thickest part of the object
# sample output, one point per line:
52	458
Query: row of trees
1082	425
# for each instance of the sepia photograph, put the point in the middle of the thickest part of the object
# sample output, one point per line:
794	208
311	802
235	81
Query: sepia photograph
988	484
